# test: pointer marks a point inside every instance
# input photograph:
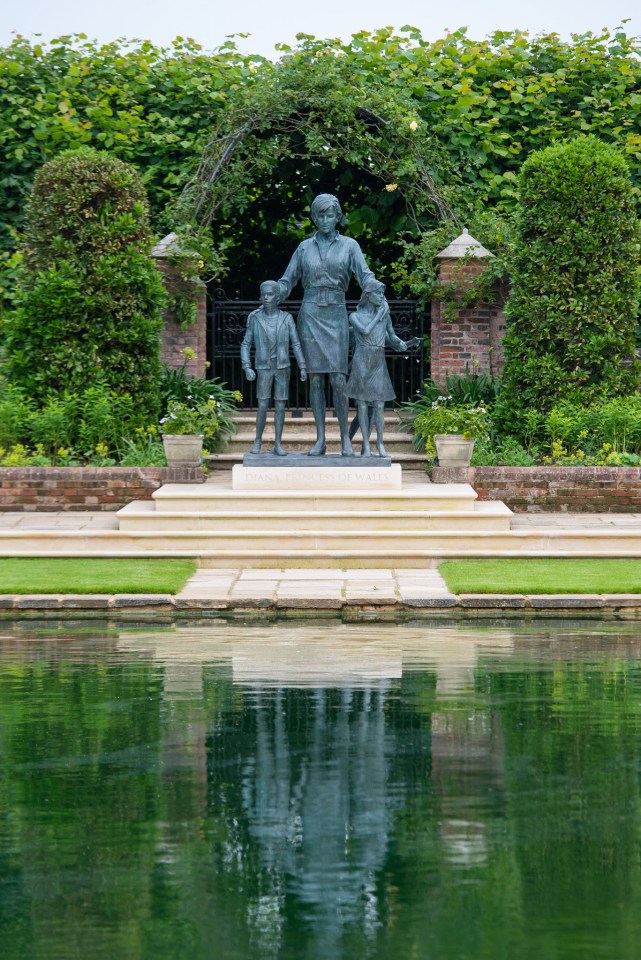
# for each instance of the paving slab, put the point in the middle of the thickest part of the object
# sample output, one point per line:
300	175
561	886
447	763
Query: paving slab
492	600
565	600
143	600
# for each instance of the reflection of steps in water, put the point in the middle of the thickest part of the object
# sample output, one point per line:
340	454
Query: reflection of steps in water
320	654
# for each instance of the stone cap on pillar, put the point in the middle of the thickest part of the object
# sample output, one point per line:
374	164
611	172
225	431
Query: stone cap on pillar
464	246
169	246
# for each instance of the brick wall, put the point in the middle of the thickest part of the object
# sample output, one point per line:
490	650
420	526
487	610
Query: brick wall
173	339
562	489
474	338
85	488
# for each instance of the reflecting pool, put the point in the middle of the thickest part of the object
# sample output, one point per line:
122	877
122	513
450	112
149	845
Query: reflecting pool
320	790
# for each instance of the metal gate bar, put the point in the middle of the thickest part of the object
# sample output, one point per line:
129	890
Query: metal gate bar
227	322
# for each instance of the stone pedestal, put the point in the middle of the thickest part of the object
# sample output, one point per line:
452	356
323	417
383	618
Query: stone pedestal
316	473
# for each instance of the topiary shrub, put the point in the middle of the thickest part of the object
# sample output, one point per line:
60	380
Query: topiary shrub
90	299
572	309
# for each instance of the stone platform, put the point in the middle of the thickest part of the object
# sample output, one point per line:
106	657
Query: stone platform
410	527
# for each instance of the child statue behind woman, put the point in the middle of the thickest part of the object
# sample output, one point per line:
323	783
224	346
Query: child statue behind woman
369	382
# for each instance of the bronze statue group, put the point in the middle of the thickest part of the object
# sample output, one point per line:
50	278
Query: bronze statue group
324	264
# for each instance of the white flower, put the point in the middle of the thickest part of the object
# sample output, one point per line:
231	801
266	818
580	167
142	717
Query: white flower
413	125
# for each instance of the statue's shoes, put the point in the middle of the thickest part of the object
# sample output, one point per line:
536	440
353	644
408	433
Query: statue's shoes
256	447
366	451
347	450
382	452
278	450
317	450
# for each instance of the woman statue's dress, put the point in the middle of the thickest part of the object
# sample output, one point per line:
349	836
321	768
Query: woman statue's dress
323	326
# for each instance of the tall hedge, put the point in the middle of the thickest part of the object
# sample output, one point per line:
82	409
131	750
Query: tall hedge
90	299
572	310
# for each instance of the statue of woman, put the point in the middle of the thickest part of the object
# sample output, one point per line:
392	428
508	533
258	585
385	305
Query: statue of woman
324	264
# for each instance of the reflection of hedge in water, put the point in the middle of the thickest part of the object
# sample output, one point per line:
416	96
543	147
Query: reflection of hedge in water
79	801
499	822
572	759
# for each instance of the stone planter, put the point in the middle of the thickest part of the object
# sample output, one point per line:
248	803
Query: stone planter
453	450
183	450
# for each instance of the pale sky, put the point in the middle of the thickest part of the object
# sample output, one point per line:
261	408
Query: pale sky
272	21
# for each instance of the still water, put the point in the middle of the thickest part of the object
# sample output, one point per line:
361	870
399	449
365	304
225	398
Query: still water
320	790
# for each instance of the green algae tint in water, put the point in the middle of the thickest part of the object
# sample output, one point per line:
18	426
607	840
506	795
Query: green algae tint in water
323	791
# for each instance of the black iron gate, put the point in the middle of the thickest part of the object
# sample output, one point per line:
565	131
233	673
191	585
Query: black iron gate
226	328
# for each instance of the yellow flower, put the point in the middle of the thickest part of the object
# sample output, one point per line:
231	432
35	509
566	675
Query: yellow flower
391	187
237	395
188	353
413	125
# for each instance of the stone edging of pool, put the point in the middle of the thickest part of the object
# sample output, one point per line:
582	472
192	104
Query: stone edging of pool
15	606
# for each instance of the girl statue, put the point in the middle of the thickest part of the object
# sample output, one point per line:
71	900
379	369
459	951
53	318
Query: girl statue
369	382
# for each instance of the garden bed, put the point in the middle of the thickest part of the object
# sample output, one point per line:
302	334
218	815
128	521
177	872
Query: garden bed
85	488
554	488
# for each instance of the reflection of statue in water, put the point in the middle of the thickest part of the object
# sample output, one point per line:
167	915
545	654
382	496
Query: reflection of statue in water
325	264
272	331
369	382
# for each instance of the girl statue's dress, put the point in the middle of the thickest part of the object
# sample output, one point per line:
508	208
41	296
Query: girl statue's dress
369	380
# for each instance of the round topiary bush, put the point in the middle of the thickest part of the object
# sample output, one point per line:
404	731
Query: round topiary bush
90	299
572	310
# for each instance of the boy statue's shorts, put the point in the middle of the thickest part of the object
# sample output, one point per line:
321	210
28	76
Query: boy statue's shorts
279	378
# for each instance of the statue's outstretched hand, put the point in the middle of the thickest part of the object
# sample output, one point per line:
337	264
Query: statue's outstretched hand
414	343
250	374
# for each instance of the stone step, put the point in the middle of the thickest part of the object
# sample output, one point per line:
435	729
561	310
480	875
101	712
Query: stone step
297	442
140	516
306	417
324	548
225	461
219	497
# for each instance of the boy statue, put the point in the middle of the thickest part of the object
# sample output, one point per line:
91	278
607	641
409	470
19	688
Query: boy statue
272	331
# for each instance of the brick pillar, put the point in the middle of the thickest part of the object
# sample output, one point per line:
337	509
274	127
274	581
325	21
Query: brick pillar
173	338
465	338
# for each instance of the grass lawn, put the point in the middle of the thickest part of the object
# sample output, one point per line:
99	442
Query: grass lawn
543	575
93	575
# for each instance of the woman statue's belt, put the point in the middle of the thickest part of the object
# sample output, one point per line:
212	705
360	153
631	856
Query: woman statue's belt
324	295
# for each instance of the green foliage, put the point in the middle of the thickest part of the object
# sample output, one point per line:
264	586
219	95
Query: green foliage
192	417
575	282
147	105
142	451
176	386
471	389
70	428
89	304
604	432
481	108
446	417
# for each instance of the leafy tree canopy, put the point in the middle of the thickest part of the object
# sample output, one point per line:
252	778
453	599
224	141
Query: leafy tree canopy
481	108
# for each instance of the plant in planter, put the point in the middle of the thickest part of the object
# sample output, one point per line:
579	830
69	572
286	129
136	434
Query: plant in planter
187	428
450	431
